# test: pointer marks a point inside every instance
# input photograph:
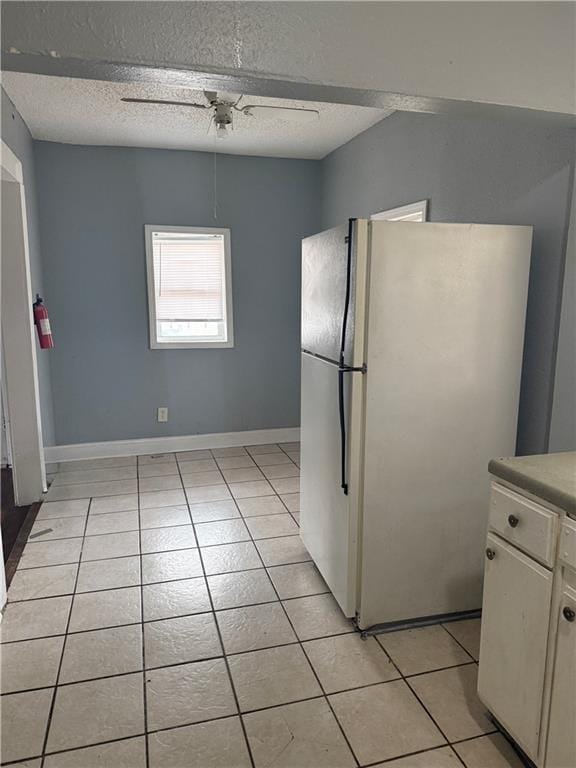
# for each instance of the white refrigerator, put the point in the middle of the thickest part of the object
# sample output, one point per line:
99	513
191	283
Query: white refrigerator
412	338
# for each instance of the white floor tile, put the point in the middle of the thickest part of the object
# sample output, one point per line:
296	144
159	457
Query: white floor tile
35	618
288	549
488	752
451	698
113	522
209	511
128	753
226	558
317	616
43	553
57	528
207	493
175	598
347	661
171	566
384	721
111	545
180	640
86	490
101	652
167	539
216	744
221	532
160	483
423	649
254	488
51	509
188	693
156	458
30	664
233	590
108	574
235	462
272	526
164	517
242	475
43	582
153	499
273	676
121	503
202	479
190	467
254	627
297	580
467	633
24	722
304	734
96	610
99	710
261	505
75	477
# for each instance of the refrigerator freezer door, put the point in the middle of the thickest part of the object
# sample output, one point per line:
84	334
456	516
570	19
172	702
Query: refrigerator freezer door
324	269
328	518
444	354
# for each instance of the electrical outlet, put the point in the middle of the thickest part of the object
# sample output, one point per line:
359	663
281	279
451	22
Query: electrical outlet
163	414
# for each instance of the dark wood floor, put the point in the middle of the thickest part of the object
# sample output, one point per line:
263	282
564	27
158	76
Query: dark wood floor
15	523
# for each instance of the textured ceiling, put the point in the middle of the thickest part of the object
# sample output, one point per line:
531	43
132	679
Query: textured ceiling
90	112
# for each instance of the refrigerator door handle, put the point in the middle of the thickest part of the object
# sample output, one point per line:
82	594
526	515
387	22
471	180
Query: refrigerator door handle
342	369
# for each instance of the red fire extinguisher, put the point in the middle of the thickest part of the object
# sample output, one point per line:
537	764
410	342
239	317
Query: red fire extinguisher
42	323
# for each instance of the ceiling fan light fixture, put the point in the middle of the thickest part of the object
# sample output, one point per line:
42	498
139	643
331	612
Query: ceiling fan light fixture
222	131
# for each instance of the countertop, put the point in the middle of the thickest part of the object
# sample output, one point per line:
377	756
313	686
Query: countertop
550	476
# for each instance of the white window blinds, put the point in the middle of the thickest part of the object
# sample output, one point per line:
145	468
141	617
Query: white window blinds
189	276
189	291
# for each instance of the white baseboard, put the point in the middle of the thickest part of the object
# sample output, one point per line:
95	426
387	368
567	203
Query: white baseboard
114	448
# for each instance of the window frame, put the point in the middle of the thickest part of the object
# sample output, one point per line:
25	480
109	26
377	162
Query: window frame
398	214
229	323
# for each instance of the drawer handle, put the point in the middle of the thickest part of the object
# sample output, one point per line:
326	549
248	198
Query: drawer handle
569	613
490	554
513	521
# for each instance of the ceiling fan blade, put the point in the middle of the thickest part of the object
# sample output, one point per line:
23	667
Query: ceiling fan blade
169	103
211	96
290	114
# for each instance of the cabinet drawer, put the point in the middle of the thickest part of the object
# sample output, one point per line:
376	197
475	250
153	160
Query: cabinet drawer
523	523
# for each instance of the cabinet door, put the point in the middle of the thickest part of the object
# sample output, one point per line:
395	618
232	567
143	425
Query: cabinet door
561	750
515	621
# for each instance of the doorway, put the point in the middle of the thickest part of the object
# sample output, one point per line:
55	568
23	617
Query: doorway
23	477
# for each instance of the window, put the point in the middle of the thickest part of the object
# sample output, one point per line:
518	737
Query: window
189	287
413	212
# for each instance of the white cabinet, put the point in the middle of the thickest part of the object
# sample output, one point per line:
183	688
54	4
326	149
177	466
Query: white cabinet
527	671
515	620
561	752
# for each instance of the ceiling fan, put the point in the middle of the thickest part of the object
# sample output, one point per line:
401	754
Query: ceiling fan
223	111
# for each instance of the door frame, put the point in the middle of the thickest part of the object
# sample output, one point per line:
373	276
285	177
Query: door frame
18	339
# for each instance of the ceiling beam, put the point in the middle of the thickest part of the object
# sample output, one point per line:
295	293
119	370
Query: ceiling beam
257	85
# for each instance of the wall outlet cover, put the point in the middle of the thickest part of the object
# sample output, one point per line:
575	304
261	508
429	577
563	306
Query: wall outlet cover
162	414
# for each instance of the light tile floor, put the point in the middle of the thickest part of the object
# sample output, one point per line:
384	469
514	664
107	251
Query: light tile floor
166	613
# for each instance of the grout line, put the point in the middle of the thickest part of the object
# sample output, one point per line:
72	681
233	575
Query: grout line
299	643
226	663
458	641
53	702
144	693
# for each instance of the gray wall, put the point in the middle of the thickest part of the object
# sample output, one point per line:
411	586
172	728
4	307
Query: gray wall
107	383
473	171
563	427
16	135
